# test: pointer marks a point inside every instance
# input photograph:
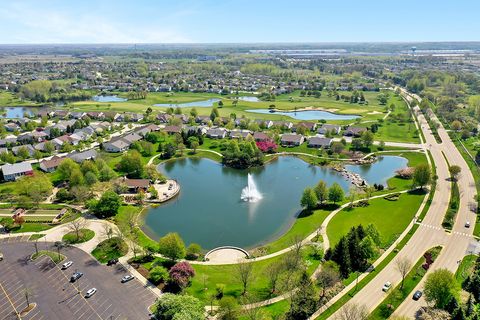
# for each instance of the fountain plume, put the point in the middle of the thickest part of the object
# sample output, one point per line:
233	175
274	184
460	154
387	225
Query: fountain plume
250	192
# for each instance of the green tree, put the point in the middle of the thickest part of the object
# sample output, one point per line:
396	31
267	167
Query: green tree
23	153
172	246
440	287
454	171
179	307
65	169
321	190
228	309
367	138
309	199
36	187
335	193
131	164
303	302
422	175
158	274
107	205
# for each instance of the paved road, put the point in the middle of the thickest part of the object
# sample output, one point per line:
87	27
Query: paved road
430	233
56	297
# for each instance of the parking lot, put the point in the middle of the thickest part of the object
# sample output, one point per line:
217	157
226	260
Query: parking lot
49	287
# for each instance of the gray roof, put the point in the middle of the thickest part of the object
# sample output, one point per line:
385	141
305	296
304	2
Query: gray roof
319	141
9	169
82	156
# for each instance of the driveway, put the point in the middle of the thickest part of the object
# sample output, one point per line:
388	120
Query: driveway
56	297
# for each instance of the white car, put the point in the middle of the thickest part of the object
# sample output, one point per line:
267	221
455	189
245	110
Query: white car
387	286
467	224
1	256
127	278
67	265
90	292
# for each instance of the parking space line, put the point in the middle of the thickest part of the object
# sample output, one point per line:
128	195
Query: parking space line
13	306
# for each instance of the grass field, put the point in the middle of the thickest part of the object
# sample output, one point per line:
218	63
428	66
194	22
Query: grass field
110	249
389	217
83	236
466	268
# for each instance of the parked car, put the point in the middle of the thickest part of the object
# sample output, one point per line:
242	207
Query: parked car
387	286
1	256
467	224
75	276
90	292
67	265
112	262
417	295
127	278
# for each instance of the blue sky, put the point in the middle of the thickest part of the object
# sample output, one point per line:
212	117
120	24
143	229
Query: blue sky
227	21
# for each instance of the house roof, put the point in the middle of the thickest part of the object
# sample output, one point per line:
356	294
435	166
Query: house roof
137	183
292	137
319	141
260	136
52	163
82	156
9	169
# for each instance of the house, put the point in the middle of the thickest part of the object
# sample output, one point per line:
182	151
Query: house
29	148
319	142
132	137
62	114
52	164
135	185
11	127
112	115
289	139
96	115
260	136
218	133
240	134
163	117
329	128
8	141
13	171
311	126
3	150
79	157
354	131
118	145
283	124
39	136
78	115
267	124
25	138
172	129
183	118
202	119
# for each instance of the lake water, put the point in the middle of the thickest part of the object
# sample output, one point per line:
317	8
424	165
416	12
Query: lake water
15	112
249	98
308	114
209	211
379	171
199	104
109	98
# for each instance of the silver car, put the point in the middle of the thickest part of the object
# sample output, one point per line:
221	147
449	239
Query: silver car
90	292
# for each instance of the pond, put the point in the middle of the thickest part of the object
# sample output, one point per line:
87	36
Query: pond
15	112
249	98
379	171
308	114
200	104
108	98
209	210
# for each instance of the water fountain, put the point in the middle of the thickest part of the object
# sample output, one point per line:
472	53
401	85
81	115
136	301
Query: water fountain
250	192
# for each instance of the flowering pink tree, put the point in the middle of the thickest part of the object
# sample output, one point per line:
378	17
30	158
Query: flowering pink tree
267	146
181	273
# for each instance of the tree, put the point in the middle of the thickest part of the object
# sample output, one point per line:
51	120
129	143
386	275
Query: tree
357	143
326	278
193	251
367	138
309	199
422	175
352	311
76	227
440	287
107	205
428	313
337	147
23	153
179	307
303	302
158	274
37	155
181	273
172	246
335	193
403	265
131	164
35	188
244	272
273	272
321	190
454	171
456	125
65	169
228	309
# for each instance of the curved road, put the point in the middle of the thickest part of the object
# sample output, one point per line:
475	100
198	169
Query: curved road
430	232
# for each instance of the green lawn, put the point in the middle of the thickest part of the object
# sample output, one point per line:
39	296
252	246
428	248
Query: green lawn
110	249
84	235
53	255
272	311
466	268
31	227
389	217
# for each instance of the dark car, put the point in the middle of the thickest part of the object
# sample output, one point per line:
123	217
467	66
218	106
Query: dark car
417	295
75	276
112	262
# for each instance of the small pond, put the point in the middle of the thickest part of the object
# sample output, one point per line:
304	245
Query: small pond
379	171
209	210
308	114
249	98
15	112
200	104
108	98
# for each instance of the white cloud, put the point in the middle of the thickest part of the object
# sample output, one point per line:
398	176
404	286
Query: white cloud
38	25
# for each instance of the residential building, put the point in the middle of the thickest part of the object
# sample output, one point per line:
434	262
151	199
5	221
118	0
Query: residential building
12	172
289	139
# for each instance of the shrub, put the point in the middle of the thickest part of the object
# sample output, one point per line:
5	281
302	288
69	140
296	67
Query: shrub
158	274
181	273
193	251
